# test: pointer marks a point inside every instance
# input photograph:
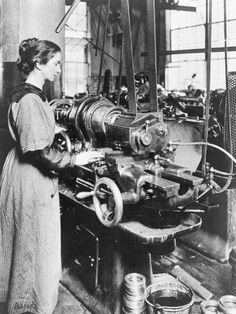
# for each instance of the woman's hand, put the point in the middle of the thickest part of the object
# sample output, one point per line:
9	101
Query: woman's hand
88	157
58	129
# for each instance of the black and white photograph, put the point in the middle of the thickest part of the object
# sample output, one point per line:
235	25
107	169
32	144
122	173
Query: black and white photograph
117	157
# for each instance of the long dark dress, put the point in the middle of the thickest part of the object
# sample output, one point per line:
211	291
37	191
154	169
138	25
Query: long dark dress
30	257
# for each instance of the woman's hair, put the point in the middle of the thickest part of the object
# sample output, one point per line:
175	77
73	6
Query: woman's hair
33	50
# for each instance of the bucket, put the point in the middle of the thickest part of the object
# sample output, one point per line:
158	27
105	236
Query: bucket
169	297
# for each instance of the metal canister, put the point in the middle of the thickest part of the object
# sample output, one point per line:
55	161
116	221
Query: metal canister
134	294
227	304
209	307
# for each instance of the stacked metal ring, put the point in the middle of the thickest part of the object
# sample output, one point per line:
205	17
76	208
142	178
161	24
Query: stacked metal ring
134	294
209	307
227	304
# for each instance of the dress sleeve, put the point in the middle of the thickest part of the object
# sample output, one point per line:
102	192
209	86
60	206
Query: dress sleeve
35	129
51	159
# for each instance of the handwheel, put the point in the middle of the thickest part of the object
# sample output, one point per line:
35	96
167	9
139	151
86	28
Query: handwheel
108	202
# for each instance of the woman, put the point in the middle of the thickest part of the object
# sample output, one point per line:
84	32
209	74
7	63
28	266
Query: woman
30	255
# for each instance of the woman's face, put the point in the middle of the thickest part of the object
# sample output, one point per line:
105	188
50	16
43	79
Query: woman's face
52	68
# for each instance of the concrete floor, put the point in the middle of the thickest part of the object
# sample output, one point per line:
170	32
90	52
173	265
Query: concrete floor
210	274
68	304
213	276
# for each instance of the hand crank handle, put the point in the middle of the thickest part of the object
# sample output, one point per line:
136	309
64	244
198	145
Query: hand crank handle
82	195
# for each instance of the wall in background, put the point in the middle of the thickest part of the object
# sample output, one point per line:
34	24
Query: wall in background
22	19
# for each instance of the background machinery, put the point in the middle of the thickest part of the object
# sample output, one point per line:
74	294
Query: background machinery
144	164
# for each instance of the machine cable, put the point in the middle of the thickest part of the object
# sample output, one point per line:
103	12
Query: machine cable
218	172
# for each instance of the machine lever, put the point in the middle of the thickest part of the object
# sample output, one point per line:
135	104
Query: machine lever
82	195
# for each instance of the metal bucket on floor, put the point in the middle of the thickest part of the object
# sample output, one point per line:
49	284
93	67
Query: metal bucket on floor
169	296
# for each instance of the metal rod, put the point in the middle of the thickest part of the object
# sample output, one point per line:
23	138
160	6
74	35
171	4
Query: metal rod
190	51
98	30
151	277
158	43
103	46
151	25
138	24
96	264
105	53
226	72
66	16
120	70
125	15
206	29
177	7
227	102
226	50
208	83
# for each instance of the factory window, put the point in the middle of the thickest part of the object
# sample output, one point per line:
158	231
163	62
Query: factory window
187	34
77	63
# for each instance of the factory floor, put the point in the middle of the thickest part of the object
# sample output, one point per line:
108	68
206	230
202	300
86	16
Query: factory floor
68	304
213	276
118	257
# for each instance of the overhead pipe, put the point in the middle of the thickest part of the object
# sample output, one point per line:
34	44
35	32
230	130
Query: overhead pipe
120	70
98	30
227	103
103	46
129	60
151	24
208	78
